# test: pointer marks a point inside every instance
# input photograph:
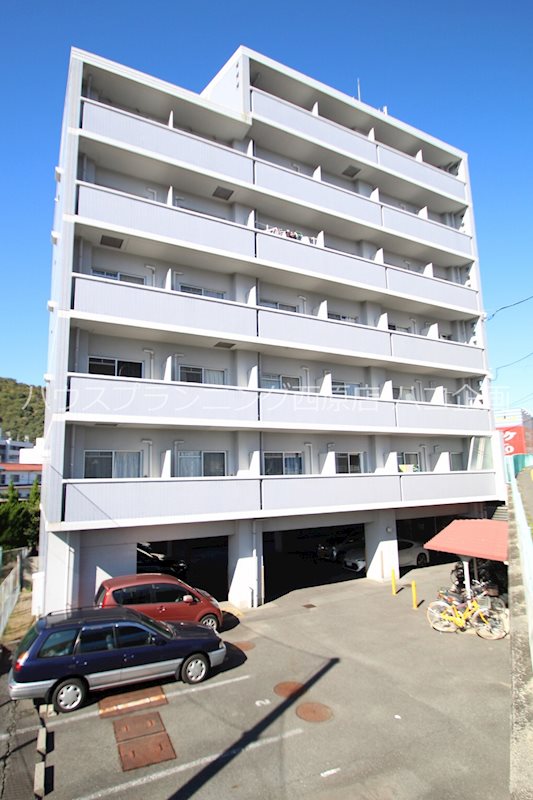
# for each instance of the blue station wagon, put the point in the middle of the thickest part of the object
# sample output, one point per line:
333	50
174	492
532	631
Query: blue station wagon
66	654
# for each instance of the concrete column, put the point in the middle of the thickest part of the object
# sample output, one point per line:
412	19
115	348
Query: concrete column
62	559
381	547
245	558
103	559
327	384
248	454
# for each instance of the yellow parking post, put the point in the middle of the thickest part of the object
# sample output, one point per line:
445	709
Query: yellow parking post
413	593
393	582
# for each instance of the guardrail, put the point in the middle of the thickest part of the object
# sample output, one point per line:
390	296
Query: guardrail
11	585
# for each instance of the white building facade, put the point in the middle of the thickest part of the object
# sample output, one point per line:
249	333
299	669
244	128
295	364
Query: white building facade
265	317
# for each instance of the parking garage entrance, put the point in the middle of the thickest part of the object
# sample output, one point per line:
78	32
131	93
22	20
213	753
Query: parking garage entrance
206	560
296	559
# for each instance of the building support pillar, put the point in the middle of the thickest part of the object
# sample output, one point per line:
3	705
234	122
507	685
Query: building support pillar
381	546
245	565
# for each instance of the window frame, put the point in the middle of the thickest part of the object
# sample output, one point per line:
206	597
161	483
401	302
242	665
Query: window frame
201	455
117	275
279	378
113	454
116	361
203	371
361	455
285	455
201	291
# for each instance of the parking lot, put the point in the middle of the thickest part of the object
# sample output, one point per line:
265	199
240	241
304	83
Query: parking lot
335	691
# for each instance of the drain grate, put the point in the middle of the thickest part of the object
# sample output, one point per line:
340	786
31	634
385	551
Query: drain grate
119	704
141	725
145	750
288	688
244	645
314	712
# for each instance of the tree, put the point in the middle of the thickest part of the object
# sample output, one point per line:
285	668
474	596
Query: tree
14	520
34	514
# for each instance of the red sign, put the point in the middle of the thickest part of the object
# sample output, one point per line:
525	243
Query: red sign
514	440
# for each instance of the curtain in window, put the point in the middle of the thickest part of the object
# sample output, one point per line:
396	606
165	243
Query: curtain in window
293	463
189	464
127	465
214	376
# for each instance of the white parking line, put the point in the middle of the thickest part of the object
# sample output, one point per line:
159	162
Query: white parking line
53	722
199	762
19	732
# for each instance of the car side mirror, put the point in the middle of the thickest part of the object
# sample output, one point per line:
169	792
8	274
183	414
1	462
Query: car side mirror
188	598
157	639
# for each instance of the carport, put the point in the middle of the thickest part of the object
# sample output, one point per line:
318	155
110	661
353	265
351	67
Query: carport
472	538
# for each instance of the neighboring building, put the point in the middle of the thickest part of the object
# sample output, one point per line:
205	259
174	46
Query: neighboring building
22	476
516	426
10	449
265	319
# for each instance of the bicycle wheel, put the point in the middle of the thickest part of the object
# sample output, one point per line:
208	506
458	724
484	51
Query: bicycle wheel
489	624
497	604
437	616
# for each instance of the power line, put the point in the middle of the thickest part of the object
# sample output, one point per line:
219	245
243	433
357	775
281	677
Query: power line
511	363
511	305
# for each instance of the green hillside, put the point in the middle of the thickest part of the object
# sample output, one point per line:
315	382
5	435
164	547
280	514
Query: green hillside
21	409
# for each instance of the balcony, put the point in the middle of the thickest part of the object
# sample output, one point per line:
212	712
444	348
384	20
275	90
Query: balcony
428	417
356	146
301	410
436	351
94	396
336	492
401	281
159	308
155	137
407	224
109	207
135	501
447	487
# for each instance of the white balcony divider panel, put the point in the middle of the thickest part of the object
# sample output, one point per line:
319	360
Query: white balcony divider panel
161	307
314	409
440	487
164	141
310	258
335	136
135	500
427	416
410	225
424	173
314	491
287	115
439	291
91	394
418	348
314	332
107	206
314	192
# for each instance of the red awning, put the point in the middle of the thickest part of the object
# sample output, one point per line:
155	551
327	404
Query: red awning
478	538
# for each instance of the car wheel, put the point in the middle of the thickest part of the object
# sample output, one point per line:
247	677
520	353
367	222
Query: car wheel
195	669
422	560
210	621
69	695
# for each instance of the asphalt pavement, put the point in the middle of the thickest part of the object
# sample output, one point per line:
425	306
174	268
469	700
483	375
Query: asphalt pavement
337	691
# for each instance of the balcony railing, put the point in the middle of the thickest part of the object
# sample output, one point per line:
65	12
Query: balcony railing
356	146
127	502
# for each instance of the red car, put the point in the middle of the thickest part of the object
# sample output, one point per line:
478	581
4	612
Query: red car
161	597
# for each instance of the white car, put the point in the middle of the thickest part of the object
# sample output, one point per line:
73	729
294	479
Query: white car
410	554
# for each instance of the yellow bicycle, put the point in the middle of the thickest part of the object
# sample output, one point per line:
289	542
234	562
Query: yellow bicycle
449	617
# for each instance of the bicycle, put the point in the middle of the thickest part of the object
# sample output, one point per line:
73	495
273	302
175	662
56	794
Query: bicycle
478	589
449	617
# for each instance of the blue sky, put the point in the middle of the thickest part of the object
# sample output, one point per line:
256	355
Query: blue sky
461	71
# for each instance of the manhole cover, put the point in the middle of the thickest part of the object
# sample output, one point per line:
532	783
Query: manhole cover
244	645
309	605
288	688
131	701
140	725
314	712
145	750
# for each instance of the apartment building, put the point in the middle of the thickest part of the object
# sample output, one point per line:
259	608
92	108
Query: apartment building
265	318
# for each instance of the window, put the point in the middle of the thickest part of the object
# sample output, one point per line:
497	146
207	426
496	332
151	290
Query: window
133	636
408	462
403	393
94	639
279	306
115	366
112	464
349	463
200	290
456	462
342	317
283	464
59	643
347	389
133	595
198	464
166	593
118	276
286	382
201	375
480	456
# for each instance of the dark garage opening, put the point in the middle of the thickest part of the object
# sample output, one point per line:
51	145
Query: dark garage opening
291	562
206	559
